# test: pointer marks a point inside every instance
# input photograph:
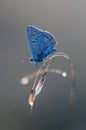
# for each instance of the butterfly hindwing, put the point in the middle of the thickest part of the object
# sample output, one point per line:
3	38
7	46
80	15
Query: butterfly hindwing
41	43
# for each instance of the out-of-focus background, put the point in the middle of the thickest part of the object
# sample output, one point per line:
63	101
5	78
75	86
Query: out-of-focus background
66	19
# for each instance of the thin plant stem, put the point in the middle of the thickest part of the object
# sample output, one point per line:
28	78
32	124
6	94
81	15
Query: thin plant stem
50	59
34	74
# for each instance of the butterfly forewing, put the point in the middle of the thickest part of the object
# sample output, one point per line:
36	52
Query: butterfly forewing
41	43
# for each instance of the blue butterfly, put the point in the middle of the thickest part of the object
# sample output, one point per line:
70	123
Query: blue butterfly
40	43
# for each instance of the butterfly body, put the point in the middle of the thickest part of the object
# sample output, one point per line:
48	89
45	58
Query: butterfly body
40	43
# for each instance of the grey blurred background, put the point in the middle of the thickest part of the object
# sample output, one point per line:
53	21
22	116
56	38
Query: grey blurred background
66	19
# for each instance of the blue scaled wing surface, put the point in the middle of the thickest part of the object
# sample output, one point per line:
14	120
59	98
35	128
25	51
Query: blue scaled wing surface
40	43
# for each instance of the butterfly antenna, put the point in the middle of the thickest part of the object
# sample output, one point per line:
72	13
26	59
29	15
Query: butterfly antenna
25	59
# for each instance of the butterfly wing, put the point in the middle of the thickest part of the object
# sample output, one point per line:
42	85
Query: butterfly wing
40	43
